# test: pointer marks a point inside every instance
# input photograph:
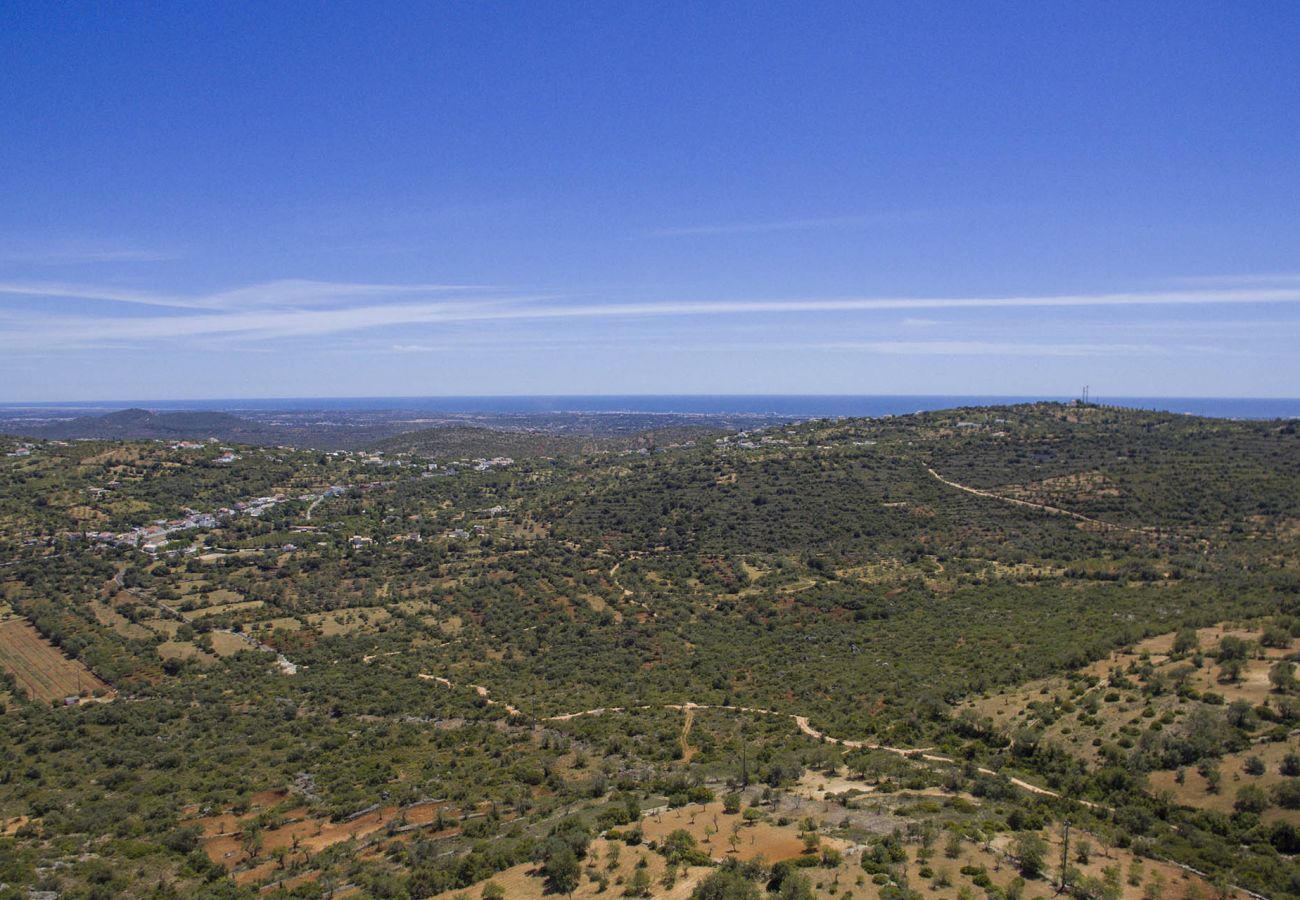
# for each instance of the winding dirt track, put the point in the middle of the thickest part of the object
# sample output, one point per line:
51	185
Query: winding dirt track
627	594
312	507
1041	507
923	753
689	719
689	708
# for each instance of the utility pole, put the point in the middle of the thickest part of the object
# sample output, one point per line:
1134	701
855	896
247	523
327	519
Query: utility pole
744	759
1065	858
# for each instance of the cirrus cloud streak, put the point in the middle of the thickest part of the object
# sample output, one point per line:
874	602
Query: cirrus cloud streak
304	309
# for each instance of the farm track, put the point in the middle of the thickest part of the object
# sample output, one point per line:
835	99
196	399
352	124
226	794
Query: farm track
688	709
312	508
687	720
629	594
1041	507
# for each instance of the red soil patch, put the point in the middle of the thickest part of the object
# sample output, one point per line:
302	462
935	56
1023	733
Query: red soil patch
764	839
300	831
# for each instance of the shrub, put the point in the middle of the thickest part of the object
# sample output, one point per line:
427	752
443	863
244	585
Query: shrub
1287	794
1251	799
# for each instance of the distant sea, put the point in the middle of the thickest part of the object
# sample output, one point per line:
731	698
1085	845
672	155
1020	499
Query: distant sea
791	405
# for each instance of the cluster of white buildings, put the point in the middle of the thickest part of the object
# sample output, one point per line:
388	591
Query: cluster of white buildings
751	440
152	537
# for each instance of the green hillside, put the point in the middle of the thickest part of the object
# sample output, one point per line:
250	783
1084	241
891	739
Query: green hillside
412	633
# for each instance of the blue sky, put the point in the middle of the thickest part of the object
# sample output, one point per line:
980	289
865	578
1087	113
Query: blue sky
223	200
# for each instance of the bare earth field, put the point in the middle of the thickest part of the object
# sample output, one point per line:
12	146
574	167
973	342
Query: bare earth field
40	668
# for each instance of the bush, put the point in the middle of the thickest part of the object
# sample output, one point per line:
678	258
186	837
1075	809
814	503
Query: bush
726	884
1031	851
1287	794
1251	799
680	848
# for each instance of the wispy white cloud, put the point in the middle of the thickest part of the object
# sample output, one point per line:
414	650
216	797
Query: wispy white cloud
85	292
305	309
1000	348
1255	328
1276	278
306	294
290	293
995	348
778	225
76	254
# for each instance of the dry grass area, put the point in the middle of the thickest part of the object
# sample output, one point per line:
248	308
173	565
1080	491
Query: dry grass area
1175	883
1011	709
226	644
595	601
1000	867
167	627
415	607
217	555
766	839
267	626
206	611
932	872
184	650
1078	487
1128	707
526	882
1194	791
106	615
1209	638
83	513
347	621
9	827
40	668
115	456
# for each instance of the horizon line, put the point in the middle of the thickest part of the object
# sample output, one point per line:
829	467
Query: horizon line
1044	398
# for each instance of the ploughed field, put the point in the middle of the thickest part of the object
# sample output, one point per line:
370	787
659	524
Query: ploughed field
40	669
